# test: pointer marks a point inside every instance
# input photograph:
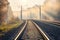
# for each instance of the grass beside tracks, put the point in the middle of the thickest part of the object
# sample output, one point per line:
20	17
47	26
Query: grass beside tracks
8	27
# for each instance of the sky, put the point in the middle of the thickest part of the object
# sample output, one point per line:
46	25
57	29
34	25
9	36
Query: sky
49	4
16	4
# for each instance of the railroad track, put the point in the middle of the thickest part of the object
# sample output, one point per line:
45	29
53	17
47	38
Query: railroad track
31	31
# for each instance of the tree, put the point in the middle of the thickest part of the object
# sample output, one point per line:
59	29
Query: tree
3	10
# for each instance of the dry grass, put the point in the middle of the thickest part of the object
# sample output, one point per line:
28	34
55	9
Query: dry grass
6	28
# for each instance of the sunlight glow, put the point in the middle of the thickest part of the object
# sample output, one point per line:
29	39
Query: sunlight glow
16	4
